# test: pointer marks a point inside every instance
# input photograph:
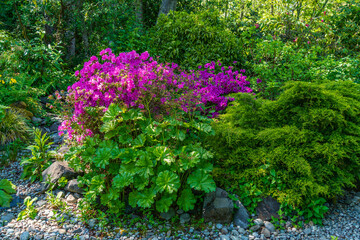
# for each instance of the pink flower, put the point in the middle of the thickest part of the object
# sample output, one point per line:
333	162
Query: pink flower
257	25
144	56
131	81
308	42
322	20
307	25
295	40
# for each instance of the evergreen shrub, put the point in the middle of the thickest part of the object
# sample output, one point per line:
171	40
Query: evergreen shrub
190	39
302	147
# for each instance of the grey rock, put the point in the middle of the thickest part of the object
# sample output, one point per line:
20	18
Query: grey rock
235	233
62	231
269	226
7	217
79	230
40	203
219	226
224	237
218	207
224	231
267	208
241	216
184	218
255	228
180	211
25	235
57	139
259	222
266	232
54	127
71	199
73	186
55	171
307	231
168	215
36	120
92	223
62	151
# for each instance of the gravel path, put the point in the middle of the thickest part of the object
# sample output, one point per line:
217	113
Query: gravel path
341	221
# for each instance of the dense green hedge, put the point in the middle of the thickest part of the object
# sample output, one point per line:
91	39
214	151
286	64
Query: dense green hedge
190	39
301	147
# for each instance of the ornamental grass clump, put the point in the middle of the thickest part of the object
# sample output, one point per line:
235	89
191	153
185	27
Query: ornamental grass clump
140	125
300	148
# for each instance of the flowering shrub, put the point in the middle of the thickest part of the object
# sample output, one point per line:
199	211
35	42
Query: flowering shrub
141	126
138	81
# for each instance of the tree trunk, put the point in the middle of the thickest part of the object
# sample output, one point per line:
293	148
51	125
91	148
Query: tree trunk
70	38
166	6
139	11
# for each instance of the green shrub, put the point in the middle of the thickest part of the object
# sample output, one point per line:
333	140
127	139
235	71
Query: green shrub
143	161
331	68
276	63
30	68
299	148
194	39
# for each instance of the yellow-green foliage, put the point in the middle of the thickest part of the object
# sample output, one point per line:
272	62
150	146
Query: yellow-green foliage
303	146
12	125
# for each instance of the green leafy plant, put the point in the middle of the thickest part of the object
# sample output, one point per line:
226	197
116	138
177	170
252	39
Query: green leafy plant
30	211
62	182
6	188
144	161
56	201
41	156
314	211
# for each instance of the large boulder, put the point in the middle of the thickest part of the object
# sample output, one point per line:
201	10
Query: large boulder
56	171
218	207
267	208
241	216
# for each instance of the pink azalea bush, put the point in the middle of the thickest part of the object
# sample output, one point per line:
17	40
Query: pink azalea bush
138	81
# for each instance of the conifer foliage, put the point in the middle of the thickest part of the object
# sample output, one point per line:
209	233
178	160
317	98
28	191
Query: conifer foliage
303	146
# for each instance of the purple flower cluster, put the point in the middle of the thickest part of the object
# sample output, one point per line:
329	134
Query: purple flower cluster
135	80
